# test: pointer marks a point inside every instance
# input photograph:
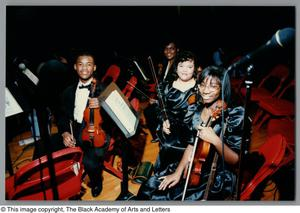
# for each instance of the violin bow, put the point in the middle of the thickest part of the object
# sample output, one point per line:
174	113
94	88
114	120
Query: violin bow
159	95
190	165
213	168
141	71
71	127
140	91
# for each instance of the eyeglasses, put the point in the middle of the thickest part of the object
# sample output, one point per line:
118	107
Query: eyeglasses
210	87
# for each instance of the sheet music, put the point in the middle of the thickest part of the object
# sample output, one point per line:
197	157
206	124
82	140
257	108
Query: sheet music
121	110
11	105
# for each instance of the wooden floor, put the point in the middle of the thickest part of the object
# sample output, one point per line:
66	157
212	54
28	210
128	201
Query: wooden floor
21	155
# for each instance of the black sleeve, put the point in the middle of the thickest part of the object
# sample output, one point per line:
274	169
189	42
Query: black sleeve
234	130
65	112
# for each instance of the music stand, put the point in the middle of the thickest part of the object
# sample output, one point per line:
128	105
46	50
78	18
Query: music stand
120	110
11	108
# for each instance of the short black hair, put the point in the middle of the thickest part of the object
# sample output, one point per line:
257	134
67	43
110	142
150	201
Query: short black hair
185	55
84	52
168	40
218	72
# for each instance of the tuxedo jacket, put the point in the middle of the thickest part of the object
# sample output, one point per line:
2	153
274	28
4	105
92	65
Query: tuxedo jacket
67	112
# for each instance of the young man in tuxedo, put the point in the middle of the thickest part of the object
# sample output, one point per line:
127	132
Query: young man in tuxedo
75	99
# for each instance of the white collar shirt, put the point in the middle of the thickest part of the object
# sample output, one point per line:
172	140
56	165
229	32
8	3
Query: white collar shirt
81	100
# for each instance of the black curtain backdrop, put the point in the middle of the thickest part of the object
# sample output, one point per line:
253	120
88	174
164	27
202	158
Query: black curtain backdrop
31	31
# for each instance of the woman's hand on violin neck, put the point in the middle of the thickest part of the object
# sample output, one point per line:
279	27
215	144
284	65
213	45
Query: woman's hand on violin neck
94	103
68	139
207	134
169	181
166	127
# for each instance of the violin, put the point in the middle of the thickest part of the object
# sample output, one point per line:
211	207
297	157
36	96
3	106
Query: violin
93	131
203	148
200	152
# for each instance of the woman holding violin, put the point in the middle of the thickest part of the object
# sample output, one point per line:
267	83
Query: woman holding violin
217	178
81	122
175	132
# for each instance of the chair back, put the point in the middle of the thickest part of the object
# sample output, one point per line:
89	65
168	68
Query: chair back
273	151
112	74
128	89
286	90
286	127
32	181
279	73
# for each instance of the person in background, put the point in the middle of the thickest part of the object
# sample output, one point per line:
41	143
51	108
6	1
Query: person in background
166	74
166	66
174	133
55	75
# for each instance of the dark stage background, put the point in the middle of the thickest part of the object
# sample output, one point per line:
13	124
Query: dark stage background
139	31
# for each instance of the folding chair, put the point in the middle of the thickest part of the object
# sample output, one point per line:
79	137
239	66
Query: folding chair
32	181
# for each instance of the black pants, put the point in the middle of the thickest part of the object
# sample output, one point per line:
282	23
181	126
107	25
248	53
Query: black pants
93	162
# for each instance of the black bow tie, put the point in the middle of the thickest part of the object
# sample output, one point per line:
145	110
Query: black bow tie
85	87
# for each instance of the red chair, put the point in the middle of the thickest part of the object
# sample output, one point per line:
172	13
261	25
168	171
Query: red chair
273	151
128	89
275	107
279	73
285	127
32	181
112	72
152	88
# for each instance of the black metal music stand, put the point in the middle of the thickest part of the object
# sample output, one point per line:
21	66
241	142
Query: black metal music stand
125	194
117	106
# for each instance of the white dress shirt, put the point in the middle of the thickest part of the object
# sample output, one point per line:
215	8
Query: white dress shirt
81	99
